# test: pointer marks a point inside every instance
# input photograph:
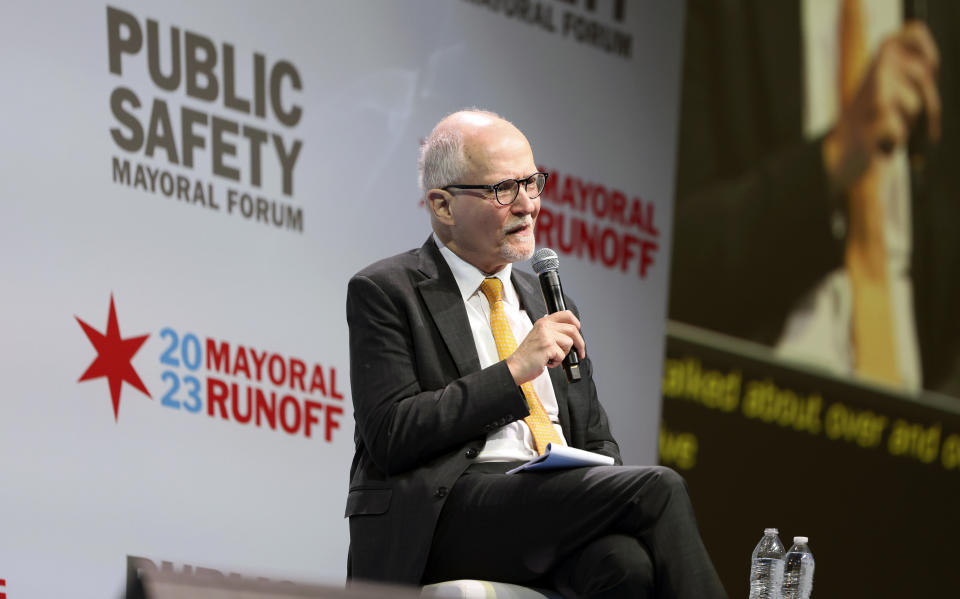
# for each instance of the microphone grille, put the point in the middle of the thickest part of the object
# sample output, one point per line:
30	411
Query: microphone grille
545	259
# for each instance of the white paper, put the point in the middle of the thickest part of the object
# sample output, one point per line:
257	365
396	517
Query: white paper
561	456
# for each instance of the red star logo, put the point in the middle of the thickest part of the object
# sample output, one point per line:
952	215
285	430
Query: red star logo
113	358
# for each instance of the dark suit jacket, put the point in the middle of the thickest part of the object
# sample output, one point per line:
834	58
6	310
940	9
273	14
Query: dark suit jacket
752	225
423	406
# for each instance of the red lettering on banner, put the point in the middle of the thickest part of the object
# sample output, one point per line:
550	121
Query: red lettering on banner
599	206
317	382
585	190
597	223
217	393
278	379
647	248
599	201
310	419
269	410
285	405
608	241
588	234
571	235
252	405
3	585
243	418
628	254
545	223
297	370
218	359
260	408
330	423
240	363
567	196
258	362
618	202
641	216
281	371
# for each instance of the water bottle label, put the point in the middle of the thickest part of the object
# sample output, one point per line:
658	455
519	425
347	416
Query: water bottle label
766	578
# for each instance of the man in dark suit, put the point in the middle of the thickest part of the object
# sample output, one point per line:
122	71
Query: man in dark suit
762	215
441	416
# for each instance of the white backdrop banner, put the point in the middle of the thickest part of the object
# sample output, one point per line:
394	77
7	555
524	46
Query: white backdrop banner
188	187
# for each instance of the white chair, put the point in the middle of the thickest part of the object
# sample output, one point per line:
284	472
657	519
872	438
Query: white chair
483	589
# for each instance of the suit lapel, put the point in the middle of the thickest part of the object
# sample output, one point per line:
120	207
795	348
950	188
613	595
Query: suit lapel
442	297
531	300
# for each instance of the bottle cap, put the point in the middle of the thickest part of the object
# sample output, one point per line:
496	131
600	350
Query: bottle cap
799	540
770	531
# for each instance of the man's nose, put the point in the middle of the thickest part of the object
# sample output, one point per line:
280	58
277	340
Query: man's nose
524	203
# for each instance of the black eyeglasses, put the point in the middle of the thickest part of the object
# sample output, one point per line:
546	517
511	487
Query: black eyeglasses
506	191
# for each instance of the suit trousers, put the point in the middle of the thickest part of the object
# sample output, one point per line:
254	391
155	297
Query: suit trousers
603	531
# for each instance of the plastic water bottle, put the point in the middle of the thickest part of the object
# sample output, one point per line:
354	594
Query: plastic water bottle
798	571
766	567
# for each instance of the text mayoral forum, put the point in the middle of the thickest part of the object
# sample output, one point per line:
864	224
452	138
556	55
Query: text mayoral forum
192	67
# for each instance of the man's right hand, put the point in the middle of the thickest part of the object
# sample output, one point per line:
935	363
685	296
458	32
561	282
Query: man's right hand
547	344
899	85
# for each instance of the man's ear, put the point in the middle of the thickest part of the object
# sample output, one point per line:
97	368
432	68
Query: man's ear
440	203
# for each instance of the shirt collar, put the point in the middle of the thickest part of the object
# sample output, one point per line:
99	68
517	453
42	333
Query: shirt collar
469	277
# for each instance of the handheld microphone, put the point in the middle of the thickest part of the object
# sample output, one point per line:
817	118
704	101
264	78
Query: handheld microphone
546	264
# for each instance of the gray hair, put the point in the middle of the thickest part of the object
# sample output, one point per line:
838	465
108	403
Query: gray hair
442	161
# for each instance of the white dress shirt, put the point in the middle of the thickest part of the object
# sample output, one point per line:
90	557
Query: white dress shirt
513	441
819	328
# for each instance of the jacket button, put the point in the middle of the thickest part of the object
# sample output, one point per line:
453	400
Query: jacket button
472	453
440	492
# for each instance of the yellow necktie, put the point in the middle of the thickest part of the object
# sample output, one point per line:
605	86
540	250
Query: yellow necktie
866	252
538	420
